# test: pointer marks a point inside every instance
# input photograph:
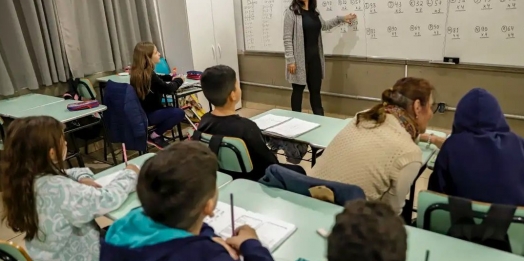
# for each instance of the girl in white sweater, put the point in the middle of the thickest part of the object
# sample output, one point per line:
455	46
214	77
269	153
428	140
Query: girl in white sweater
377	150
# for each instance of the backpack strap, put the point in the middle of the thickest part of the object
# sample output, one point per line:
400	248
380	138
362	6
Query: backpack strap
462	222
497	221
197	135
215	142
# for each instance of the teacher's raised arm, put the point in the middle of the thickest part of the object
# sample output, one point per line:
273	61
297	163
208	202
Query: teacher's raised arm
304	51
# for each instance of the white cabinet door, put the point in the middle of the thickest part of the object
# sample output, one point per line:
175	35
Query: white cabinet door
225	35
201	31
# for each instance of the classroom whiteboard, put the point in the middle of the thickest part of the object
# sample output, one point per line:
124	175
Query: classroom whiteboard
487	32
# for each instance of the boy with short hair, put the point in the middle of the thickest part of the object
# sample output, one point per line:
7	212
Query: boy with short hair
367	231
221	87
177	189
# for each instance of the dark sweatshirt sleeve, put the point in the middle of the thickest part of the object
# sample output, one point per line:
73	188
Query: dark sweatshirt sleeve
252	250
207	231
160	86
440	180
165	77
254	139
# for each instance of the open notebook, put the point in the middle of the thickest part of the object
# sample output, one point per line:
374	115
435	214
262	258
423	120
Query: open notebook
269	120
292	128
272	233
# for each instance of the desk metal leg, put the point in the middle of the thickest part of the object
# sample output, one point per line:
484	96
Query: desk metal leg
407	211
76	151
107	142
314	152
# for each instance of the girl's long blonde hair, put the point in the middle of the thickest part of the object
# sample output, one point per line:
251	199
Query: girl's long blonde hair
26	157
142	68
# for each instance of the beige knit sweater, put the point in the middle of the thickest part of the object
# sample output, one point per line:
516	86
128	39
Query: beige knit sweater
369	158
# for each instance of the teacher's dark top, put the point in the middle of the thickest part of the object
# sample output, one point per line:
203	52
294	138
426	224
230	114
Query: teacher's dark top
312	26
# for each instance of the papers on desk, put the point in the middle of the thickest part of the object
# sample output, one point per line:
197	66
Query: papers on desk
272	233
292	128
269	120
105	180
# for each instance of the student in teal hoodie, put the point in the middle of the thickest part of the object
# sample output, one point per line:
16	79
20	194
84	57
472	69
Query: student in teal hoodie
177	189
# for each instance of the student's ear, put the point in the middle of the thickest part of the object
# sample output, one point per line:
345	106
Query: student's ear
209	207
52	154
417	108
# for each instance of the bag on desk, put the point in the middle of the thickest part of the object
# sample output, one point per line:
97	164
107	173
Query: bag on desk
84	105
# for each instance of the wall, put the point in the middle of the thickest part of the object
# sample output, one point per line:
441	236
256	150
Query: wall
368	78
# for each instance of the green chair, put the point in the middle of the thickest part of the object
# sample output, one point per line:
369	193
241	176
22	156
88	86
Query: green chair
13	251
433	214
232	153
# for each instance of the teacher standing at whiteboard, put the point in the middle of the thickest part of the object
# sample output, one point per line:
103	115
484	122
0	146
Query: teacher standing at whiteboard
304	51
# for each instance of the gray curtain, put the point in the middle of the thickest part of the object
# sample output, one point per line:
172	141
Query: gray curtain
100	35
31	53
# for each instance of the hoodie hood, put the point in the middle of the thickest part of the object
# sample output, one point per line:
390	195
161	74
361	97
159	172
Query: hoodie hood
138	230
479	112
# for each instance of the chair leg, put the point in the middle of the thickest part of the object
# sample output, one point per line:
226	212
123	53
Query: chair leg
108	143
179	130
78	155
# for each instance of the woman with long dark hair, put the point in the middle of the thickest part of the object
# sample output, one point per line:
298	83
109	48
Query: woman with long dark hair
304	51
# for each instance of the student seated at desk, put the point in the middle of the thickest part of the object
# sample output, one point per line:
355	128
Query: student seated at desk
367	231
221	87
177	189
483	159
151	88
377	151
54	207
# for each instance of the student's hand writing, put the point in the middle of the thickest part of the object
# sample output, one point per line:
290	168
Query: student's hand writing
291	68
133	167
243	234
232	252
349	18
90	182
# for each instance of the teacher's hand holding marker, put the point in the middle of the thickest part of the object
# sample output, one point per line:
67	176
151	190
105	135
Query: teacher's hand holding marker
349	18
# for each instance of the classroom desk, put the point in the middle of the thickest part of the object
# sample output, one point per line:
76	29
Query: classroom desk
58	110
317	138
132	201
188	83
310	214
11	106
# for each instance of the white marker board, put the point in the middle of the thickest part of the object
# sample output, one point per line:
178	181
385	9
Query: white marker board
489	32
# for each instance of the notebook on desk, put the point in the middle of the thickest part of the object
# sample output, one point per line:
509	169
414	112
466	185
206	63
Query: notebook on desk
292	128
271	233
269	120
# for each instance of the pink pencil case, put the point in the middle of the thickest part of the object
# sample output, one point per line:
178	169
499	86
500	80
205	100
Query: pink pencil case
84	105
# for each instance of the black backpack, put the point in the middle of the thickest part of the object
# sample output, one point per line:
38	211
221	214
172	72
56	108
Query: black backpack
492	232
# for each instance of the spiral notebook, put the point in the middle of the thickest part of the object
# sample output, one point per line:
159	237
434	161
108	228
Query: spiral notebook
269	120
271	232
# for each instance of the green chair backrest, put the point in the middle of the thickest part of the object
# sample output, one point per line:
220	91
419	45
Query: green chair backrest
15	251
85	89
440	220
232	154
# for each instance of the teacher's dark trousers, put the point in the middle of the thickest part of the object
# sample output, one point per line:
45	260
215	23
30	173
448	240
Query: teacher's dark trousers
314	82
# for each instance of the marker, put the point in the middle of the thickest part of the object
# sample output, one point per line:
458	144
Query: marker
124	153
232	214
322	232
427	255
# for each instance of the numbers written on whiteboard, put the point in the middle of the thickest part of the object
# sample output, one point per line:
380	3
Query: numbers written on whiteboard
510	4
417	4
509	30
436	6
357	4
434	29
328	5
393	31
354	26
343	4
482	31
416	30
454	32
372	33
397	5
458	5
484	4
371	7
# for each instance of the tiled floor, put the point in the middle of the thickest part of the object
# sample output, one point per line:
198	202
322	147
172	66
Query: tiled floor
8	234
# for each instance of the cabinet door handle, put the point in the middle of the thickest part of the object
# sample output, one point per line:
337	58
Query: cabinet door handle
219	51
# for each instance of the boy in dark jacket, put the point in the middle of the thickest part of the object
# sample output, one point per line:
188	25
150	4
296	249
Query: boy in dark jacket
177	189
